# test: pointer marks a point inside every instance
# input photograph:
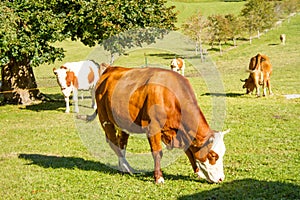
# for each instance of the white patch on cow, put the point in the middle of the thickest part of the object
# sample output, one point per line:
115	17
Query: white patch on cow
161	180
214	173
200	173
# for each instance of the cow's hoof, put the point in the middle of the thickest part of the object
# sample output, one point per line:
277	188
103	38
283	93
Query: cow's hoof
94	107
161	180
125	167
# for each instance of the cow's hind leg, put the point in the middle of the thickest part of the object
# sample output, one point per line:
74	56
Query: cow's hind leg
118	143
94	105
122	142
268	83
264	88
269	87
156	149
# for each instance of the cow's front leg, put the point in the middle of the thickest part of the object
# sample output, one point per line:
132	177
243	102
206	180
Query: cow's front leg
256	82
156	149
192	160
67	100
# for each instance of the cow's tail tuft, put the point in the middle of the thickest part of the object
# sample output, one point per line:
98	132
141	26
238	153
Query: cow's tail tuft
88	118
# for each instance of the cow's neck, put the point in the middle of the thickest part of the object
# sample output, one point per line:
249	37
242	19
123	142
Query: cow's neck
199	130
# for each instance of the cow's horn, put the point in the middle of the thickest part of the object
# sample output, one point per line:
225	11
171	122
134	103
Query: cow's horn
225	132
243	80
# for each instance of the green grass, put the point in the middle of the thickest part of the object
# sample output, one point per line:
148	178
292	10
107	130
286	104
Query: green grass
205	7
47	154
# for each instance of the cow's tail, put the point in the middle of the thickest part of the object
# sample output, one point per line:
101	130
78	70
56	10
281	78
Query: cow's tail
88	118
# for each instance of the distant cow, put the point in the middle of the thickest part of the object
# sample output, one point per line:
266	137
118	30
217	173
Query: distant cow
161	104
282	38
74	76
178	65
260	70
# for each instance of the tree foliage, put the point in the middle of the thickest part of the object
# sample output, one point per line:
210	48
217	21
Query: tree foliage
218	28
195	28
30	28
258	15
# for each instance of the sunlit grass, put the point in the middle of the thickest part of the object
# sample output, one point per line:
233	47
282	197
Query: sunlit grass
47	154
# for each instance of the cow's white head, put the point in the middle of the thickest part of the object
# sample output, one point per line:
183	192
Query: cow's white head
65	80
211	166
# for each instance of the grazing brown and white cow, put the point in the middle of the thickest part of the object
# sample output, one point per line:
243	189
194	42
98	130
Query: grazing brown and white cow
178	65
162	104
74	76
260	70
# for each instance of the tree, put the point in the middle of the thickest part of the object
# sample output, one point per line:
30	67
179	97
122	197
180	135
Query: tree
30	28
234	27
218	29
194	27
257	16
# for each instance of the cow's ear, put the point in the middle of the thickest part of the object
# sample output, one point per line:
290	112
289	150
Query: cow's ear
195	143
212	157
63	67
54	70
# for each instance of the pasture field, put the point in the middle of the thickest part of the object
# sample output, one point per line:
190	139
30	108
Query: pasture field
48	154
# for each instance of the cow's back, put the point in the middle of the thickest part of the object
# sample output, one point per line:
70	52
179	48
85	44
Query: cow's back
86	72
131	97
266	64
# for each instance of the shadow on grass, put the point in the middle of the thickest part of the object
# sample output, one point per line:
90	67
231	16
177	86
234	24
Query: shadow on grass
54	102
274	44
55	162
49	161
230	94
249	189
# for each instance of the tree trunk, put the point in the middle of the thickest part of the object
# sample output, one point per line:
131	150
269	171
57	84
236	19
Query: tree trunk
18	83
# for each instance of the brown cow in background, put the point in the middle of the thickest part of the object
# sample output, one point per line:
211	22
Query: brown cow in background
260	70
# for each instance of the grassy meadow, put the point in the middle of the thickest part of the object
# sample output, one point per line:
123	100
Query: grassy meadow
48	154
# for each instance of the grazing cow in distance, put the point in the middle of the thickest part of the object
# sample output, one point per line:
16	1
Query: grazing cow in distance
74	76
260	70
178	65
282	38
163	105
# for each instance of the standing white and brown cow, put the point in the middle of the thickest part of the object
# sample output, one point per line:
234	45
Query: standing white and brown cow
74	76
178	65
282	38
